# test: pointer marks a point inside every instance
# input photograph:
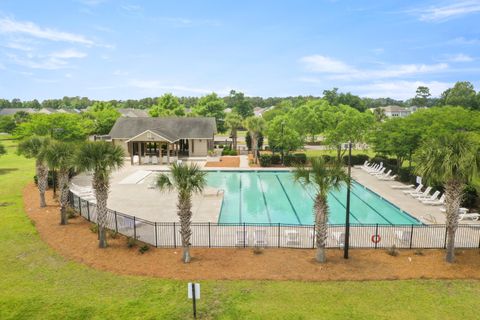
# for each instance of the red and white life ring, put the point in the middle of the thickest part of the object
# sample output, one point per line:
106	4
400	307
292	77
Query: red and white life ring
376	238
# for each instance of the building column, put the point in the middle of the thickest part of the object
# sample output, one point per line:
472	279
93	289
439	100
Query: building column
130	151
168	153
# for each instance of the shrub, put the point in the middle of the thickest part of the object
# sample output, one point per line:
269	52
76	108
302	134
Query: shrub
113	234
94	228
143	249
276	159
392	251
257	250
229	152
265	160
470	197
406	175
131	242
356	160
294	159
71	213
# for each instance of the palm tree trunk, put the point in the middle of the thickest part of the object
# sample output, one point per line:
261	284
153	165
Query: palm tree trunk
254	147
453	198
234	138
101	194
339	151
42	181
63	190
185	214
321	218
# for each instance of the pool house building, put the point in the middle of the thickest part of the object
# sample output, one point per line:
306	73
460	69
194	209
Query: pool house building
149	140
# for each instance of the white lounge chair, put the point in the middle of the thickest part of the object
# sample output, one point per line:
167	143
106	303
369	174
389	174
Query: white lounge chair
417	190
378	173
373	167
367	166
147	160
136	159
461	210
154	160
293	238
424	194
403	235
241	238
339	237
260	238
390	178
376	169
433	197
469	215
404	186
438	202
384	174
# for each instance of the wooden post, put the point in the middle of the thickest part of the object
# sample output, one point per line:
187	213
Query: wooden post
168	153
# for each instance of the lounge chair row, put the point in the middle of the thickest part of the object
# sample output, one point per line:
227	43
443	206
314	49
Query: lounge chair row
378	171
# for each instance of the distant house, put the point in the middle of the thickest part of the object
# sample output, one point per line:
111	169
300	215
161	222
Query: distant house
12	111
161	140
394	111
132	113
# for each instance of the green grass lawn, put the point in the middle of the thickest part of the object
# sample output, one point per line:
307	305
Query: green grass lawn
317	153
37	283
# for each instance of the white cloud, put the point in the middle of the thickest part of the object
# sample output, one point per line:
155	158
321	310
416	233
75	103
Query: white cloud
340	70
18	46
447	12
319	63
68	54
397	89
10	25
464	41
157	85
460	58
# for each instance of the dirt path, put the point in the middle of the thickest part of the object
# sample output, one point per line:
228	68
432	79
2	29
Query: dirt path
76	242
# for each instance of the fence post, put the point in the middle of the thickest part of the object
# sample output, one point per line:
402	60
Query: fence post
244	236
445	240
156	241
88	208
116	223
80	207
174	236
278	235
411	236
134	228
209	240
376	236
313	237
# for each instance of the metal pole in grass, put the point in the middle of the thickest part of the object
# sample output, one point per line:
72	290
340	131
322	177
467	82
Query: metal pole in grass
347	207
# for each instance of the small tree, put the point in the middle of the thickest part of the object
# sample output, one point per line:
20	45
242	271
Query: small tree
324	177
2	150
101	158
35	147
60	156
450	160
186	179
255	126
233	121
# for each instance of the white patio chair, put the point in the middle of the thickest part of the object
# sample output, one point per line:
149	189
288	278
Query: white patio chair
390	178
424	194
146	160
378	173
136	159
241	238
339	237
417	190
383	175
404	186
293	237
260	238
154	160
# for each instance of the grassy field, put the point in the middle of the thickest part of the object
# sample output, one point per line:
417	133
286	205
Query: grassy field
37	283
317	153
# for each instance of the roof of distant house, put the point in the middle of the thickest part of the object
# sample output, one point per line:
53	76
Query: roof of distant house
12	111
132	113
171	128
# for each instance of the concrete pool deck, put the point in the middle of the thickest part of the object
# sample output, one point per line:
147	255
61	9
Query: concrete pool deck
132	193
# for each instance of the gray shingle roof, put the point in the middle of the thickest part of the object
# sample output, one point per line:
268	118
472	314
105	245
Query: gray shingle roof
130	112
12	111
171	128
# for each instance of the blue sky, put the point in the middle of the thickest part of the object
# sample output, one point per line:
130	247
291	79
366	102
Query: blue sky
107	49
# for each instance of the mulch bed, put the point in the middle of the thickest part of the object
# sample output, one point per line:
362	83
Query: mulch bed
78	243
230	162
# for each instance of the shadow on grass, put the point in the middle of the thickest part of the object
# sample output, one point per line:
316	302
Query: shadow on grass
7	170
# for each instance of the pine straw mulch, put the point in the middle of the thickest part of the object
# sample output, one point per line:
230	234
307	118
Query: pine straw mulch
226	161
78	243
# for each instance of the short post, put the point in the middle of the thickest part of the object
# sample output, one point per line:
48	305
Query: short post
80	207
244	236
313	237
278	235
209	239
445	240
88	208
116	222
174	236
376	235
193	290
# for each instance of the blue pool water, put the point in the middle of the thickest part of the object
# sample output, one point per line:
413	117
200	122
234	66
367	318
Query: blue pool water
273	197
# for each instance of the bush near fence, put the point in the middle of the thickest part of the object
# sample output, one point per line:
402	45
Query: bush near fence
207	234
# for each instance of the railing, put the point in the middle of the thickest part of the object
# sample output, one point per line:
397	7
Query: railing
215	235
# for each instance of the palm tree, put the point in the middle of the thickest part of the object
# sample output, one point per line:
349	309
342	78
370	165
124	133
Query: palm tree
323	177
35	147
255	126
233	121
101	158
450	160
186	179
60	156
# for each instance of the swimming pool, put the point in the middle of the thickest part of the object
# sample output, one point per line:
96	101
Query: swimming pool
273	197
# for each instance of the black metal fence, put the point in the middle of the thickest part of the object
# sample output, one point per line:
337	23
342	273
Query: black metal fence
215	235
